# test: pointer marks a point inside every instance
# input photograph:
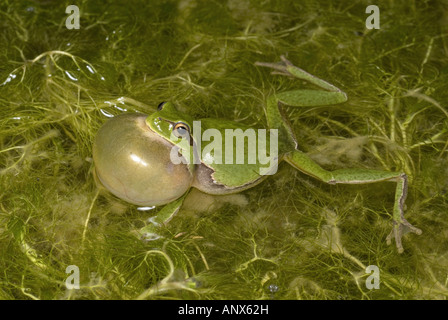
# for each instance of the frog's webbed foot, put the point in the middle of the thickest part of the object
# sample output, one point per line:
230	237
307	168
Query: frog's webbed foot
399	228
280	68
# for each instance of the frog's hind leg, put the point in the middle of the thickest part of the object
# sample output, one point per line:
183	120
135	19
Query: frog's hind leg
286	68
304	163
288	145
297	98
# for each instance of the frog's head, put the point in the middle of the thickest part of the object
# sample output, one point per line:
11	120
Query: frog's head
172	125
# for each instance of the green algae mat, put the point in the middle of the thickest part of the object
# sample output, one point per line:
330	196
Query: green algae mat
63	236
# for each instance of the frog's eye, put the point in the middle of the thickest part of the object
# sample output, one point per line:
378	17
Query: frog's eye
160	106
181	130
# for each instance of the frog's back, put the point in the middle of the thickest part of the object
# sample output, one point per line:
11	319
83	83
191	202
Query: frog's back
229	157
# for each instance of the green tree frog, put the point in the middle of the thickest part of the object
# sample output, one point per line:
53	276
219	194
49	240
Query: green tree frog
133	154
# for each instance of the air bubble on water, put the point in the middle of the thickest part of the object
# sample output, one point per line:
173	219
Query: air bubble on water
90	69
70	76
10	77
273	288
145	208
107	114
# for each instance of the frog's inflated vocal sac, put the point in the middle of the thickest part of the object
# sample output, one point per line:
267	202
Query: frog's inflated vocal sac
132	154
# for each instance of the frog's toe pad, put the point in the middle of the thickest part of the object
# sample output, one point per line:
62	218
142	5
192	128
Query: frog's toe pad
411	228
150	236
398	230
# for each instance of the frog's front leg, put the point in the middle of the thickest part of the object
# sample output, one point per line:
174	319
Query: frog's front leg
150	231
304	163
